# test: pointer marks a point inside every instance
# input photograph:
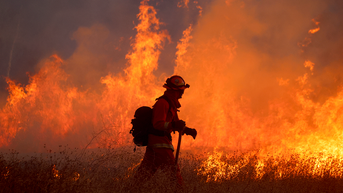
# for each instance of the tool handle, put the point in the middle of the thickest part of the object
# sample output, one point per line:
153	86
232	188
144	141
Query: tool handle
178	148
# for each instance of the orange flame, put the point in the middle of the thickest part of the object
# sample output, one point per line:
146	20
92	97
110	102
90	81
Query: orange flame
46	99
55	172
139	86
309	64
312	31
236	100
198	7
6	173
56	110
182	49
183	2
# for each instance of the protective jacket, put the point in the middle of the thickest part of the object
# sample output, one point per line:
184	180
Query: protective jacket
163	116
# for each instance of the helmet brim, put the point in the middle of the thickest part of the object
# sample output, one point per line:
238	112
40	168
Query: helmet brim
183	87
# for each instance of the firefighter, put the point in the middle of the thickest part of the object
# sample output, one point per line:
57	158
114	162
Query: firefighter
159	151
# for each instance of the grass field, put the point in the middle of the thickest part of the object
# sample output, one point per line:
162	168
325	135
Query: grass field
111	170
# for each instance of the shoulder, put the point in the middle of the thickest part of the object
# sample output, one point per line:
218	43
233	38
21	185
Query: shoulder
161	103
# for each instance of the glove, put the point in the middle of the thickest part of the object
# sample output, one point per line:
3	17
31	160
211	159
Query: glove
178	125
191	132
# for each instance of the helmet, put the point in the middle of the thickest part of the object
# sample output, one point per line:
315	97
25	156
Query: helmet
176	83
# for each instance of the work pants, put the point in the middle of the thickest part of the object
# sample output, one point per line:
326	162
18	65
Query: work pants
159	158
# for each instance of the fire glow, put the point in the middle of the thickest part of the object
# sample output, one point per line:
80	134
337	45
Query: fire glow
234	101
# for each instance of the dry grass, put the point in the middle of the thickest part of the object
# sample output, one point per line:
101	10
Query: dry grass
111	170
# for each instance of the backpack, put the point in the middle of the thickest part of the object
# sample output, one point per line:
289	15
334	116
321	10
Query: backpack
142	125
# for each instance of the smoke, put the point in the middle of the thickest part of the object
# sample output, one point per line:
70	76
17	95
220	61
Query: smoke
244	62
11	53
245	56
48	27
93	38
54	27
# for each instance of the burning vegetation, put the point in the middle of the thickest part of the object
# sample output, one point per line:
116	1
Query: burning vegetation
268	111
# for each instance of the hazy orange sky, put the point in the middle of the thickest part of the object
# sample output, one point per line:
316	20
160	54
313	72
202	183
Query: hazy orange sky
260	71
